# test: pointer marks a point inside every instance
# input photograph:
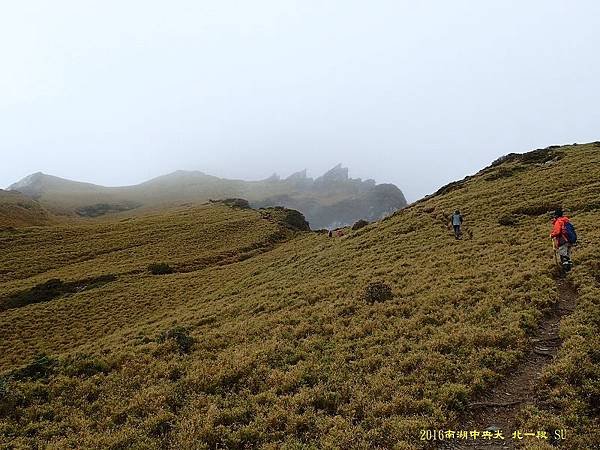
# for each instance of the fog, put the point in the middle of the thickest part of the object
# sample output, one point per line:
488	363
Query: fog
413	93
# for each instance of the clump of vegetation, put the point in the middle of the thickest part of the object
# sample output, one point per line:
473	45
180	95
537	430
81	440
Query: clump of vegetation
3	388
591	206
181	336
377	291
52	289
84	365
8	402
41	367
450	187
238	203
508	221
41	293
290	218
539	156
536	209
100	209
160	269
505	172
359	224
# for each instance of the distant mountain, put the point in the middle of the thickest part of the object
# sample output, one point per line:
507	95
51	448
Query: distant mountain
331	200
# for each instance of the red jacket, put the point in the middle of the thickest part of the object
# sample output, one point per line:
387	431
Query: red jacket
558	230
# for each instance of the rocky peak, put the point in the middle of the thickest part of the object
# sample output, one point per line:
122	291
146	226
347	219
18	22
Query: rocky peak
273	178
28	181
338	173
301	175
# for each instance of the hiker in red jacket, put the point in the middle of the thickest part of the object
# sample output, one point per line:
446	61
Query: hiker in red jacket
561	239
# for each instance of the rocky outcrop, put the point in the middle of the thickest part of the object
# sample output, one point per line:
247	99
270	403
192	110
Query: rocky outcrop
338	174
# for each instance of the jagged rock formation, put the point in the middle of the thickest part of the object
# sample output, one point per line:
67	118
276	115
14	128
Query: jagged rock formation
348	199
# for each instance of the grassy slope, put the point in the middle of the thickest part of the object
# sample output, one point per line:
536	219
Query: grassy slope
188	240
17	210
286	350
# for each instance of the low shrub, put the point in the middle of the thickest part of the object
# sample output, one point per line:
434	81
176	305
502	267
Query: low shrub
536	210
160	269
539	156
41	367
377	292
238	203
82	365
100	209
450	187
290	218
52	289
3	388
508	221
359	224
505	172
181	337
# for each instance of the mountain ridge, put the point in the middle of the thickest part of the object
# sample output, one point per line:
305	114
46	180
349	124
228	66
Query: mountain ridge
330	200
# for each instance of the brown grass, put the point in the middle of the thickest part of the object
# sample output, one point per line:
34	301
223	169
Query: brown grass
284	352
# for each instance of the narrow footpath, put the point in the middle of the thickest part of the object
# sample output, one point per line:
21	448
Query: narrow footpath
498	409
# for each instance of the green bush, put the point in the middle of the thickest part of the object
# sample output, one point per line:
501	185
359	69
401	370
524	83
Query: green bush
3	388
52	289
505	172
41	367
359	224
85	366
181	337
537	209
238	203
377	292
508	221
160	269
290	218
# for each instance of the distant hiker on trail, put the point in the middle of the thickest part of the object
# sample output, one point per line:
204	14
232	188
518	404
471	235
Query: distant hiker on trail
456	220
564	237
330	234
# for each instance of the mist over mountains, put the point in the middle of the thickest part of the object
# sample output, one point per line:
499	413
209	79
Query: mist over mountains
331	200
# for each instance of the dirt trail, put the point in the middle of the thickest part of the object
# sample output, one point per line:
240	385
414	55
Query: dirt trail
499	408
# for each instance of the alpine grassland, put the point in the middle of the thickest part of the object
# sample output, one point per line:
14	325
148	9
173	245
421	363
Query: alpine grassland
17	210
254	333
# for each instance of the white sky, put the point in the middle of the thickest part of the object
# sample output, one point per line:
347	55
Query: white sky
415	93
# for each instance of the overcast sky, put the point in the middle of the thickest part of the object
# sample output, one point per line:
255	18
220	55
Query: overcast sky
414	93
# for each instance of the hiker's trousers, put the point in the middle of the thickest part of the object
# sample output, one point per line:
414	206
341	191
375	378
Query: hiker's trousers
565	250
457	232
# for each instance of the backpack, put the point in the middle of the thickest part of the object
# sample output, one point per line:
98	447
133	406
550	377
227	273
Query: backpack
570	233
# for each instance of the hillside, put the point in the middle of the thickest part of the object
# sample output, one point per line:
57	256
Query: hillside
265	336
328	201
18	210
